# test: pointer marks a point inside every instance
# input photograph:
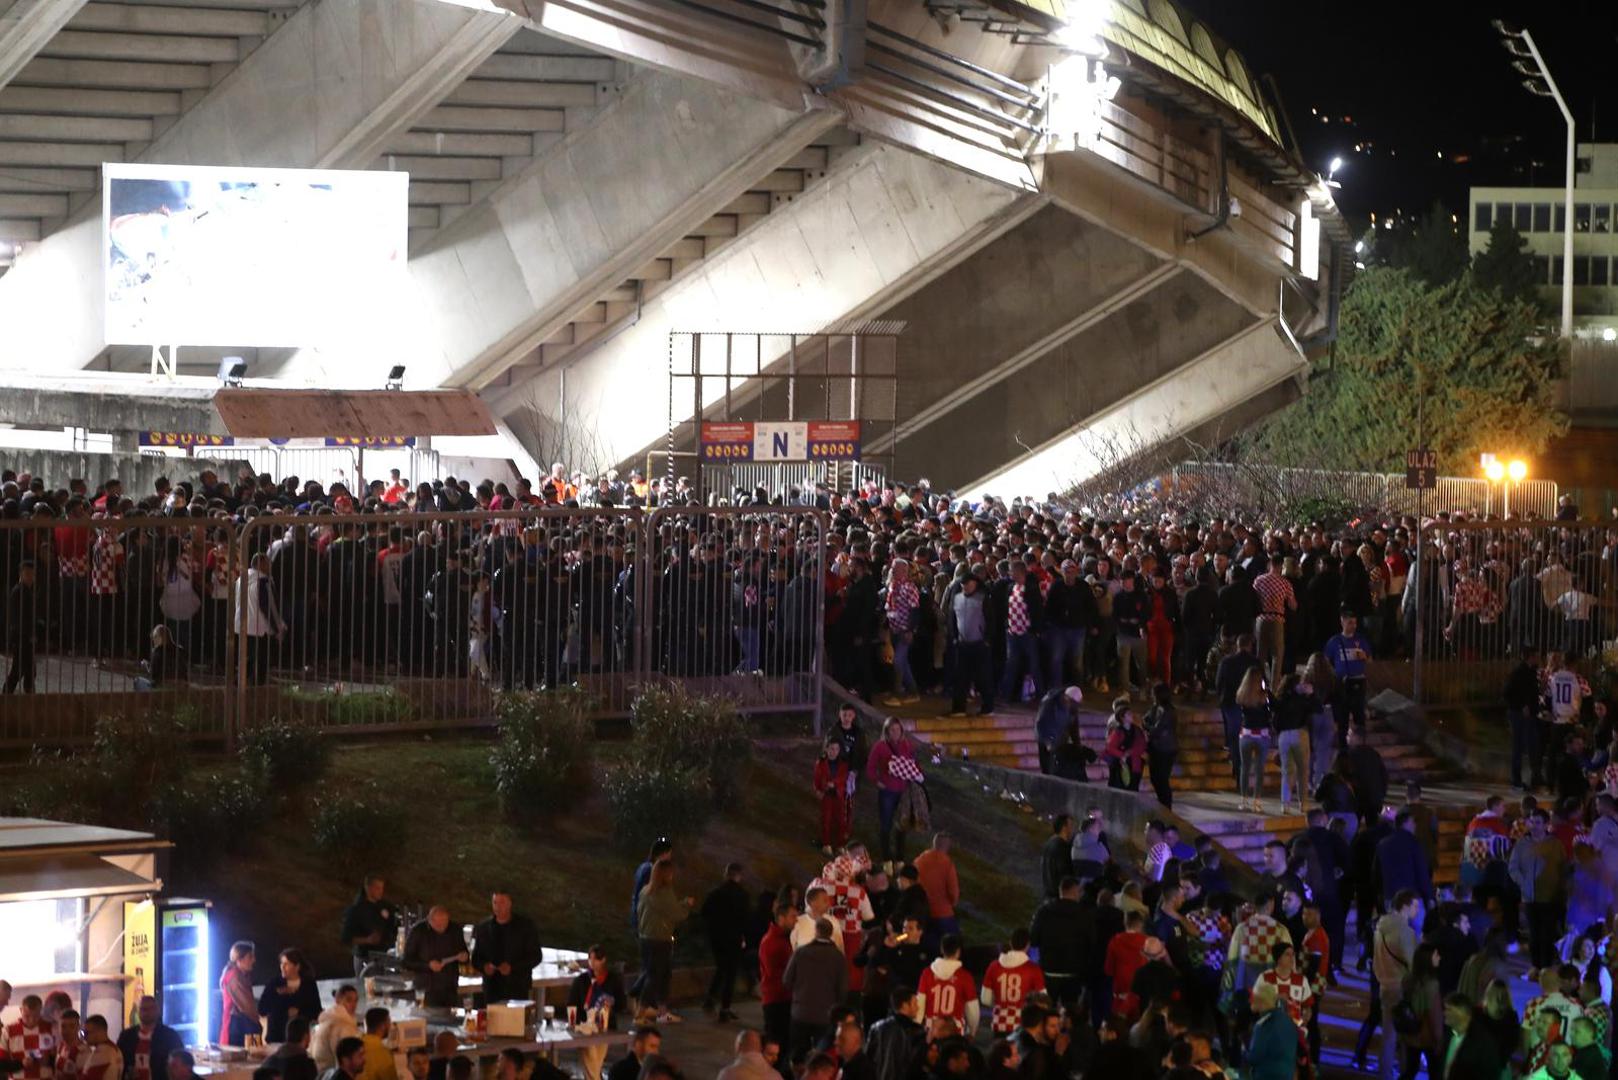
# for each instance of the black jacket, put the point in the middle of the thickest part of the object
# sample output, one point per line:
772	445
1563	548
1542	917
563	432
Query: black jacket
165	1040
578	994
276	1007
1055	863
1228	679
1072	607
516	943
1236	608
1059	935
1522	688
1369	776
893	1046
1129	611
424	945
1477	1059
363	918
724	916
1197	611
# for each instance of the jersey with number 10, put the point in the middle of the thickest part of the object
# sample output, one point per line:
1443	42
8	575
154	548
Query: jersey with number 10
1565	696
947	997
1009	988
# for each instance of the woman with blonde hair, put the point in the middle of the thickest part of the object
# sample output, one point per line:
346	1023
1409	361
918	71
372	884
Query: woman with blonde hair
1253	741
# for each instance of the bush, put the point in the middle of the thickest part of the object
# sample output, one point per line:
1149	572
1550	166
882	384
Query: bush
132	759
656	800
675	731
208	814
283	754
350	823
542	758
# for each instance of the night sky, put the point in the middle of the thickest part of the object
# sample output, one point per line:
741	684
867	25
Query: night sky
1425	77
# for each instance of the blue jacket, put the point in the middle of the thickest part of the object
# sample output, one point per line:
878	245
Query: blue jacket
1401	864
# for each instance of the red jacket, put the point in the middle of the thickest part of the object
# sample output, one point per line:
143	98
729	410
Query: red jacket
876	766
830	775
773	954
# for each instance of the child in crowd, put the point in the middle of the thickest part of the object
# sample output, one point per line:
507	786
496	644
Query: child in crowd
831	784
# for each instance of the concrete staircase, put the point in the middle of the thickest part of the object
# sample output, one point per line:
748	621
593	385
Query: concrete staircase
1205	791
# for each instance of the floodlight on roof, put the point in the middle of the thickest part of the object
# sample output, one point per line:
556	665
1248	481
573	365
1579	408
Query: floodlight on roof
395	377
232	369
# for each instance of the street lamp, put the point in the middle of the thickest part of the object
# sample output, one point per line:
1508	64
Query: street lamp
1507	474
1520	44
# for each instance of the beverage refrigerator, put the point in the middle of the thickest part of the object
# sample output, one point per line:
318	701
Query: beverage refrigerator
166	954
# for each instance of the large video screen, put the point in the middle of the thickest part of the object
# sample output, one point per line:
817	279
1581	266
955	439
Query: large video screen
202	255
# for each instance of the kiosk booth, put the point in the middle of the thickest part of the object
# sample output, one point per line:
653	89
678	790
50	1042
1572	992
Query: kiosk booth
63	893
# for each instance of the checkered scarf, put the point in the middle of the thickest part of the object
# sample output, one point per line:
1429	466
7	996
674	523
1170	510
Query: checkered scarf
906	769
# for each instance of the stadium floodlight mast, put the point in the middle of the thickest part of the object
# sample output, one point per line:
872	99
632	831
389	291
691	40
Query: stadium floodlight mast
1537	81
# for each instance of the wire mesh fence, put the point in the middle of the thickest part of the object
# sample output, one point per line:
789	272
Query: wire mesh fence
1491	590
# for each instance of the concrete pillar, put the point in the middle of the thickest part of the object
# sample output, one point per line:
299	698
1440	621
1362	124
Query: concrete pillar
25	27
326	90
1244	368
880	227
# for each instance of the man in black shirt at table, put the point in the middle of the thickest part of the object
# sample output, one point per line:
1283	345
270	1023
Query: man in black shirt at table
505	950
370	923
646	1042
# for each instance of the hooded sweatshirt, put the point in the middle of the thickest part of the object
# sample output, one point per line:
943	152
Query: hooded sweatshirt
947	990
1006	987
334	1025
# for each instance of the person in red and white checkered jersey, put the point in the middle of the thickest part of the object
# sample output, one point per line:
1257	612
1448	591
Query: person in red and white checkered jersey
1007	984
30	1040
101	1059
843	879
1252	946
1292	987
71	1049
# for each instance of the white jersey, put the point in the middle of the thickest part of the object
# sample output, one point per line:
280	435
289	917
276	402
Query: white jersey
1566	696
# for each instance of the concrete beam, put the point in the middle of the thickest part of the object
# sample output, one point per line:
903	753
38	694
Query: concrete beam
879	227
112	403
1113	198
1239	370
328	89
648	169
25	28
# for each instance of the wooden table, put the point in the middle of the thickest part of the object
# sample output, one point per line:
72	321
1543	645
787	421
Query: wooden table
549	1042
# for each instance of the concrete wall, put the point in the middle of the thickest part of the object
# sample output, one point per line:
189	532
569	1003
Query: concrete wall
137	471
1230	375
1143	342
883	224
324	91
648	169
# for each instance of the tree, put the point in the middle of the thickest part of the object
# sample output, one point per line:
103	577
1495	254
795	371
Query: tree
1473	356
1431	247
1506	266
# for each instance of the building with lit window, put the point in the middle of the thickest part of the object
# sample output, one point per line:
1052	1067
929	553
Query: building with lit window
1540	214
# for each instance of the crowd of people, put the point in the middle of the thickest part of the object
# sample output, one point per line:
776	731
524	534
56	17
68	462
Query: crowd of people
918	590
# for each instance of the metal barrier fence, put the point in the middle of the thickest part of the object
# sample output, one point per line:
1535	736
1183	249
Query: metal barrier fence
1264	488
83	603
755	634
401	621
1492	588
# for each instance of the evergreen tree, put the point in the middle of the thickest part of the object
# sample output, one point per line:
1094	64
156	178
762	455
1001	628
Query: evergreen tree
1471	354
1505	265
